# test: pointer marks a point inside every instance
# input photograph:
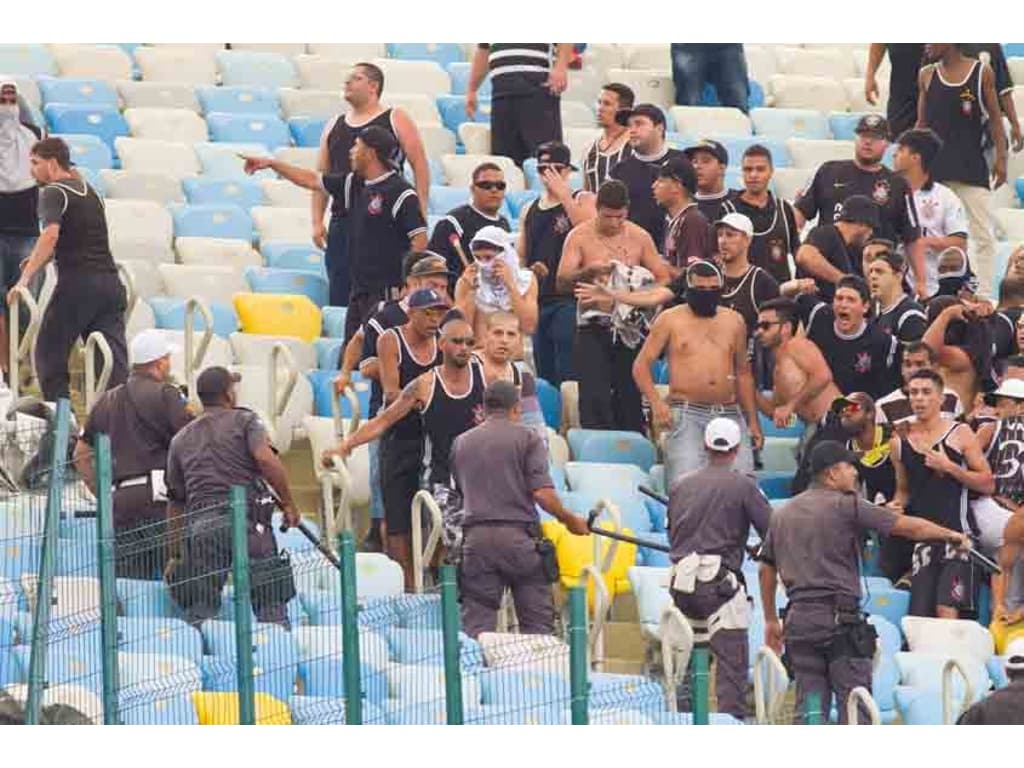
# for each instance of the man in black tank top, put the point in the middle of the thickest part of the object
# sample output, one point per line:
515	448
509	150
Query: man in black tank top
363	90
957	98
544	228
937	463
89	296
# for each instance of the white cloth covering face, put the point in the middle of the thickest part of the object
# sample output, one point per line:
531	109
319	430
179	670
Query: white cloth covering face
492	293
15	144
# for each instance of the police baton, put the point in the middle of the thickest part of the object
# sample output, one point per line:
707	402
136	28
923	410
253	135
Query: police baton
305	531
655	545
984	562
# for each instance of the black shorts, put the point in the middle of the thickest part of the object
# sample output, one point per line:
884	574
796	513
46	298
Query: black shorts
401	462
520	124
941	577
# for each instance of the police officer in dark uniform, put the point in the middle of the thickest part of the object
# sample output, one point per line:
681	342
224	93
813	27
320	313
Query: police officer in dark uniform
501	470
709	516
140	417
1005	706
813	545
225	447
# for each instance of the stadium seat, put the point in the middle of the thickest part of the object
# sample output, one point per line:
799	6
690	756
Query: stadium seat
423	683
243	99
442	53
334	322
89	151
169	637
810	153
550	402
145	278
241	193
252	128
269	70
224	220
584	85
151	156
103	62
790	123
24	59
594	477
421	107
323	73
843	124
270	314
818	62
309	103
438	140
304	157
305	258
761	62
105	123
288	281
209	282
736	146
169	313
808	92
891	604
290	225
579	140
954	637
426	77
221	708
279	193
221	159
611	446
652	86
172	710
139	229
710	121
145	95
790	181
328	353
853	87
306	131
94	93
1010	223
458	170
575	114
646	56
575	553
202	251
323	395
475	137
157	187
459	74
179	65
283	49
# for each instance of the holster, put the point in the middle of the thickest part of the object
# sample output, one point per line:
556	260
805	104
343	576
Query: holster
271	581
548	559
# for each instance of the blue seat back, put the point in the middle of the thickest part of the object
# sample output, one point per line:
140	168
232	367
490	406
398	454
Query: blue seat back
289	281
256	68
784	124
843	124
334	321
452	108
328	353
306	131
550	398
245	99
88	151
169	313
103	122
296	256
323	391
94	93
613	446
258	128
443	53
459	73
244	193
224	220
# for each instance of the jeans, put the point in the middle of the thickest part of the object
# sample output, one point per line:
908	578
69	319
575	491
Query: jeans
553	341
684	446
721	64
376	497
338	262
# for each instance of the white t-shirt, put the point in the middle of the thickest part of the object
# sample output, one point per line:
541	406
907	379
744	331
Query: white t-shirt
939	214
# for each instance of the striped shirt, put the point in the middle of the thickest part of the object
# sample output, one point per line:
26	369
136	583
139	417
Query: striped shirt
597	164
518	69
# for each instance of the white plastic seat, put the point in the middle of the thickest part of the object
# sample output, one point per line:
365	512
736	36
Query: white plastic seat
158	187
790	181
321	433
210	282
217	353
304	157
141	319
475	137
176	64
790	123
221	159
437	140
283	194
854	89
579	140
710	121
180	125
647	56
585	85
820	62
352	51
1010	223
458	170
266	70
809	92
254	393
285	49
403	76
600	57
324	73
301	102
652	86
860	64
286	225
145	95
761	62
152	156
73	596
102	62
254	349
202	251
145	278
576	114
810	153
953	637
139	229
421	107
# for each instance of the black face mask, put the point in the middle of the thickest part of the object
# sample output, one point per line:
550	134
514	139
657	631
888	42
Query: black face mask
950	286
703	301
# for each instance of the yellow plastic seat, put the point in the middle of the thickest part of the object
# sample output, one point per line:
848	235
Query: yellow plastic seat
274	314
577	552
221	708
1003	634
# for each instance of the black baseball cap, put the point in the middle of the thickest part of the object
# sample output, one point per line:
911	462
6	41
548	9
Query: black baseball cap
715	149
873	124
860	209
427	298
828	453
555	153
680	169
430	264
651	111
215	382
380	141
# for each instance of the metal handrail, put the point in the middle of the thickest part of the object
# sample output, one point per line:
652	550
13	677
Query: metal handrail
349	394
279	401
423	553
131	296
93	388
603	505
767	704
194	357
337	477
948	718
862	695
17	352
676	648
602	602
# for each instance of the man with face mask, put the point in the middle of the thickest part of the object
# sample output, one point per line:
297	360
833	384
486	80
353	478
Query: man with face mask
709	374
832	250
609	247
141	417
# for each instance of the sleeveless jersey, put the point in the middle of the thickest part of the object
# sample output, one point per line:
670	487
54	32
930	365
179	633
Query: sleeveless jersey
956	112
447	415
598	165
409	369
340	140
546	230
776	237
934	496
83	242
1005	456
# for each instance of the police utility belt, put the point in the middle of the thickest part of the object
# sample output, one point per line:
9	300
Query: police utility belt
155	480
696	569
852	637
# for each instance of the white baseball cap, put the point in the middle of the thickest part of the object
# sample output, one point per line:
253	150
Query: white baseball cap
722	435
1015	656
1013	388
736	221
149	346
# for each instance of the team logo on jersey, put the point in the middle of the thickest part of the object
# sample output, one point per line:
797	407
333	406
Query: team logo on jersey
967	99
929	208
478	414
376	204
863	362
880	194
562	225
777	251
957	591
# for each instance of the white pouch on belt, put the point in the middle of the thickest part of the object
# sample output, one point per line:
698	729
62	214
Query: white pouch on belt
693	568
156	482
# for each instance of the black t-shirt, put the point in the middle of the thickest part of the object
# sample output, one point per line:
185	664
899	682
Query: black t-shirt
776	235
688	237
638	174
78	210
836	180
464	222
905	60
389	314
826	238
864	362
905	320
383	216
545	230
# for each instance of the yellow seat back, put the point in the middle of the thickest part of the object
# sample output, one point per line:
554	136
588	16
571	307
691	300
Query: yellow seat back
221	708
1003	634
276	314
577	552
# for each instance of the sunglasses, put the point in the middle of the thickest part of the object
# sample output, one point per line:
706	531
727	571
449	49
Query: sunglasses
491	185
764	325
461	341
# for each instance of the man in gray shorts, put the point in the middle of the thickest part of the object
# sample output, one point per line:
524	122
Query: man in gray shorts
709	374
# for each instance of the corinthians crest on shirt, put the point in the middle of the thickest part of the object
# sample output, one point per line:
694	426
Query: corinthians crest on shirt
376	204
562	225
880	194
967	99
862	364
778	253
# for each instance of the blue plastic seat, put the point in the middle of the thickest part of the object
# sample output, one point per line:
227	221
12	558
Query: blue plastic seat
784	124
843	124
256	68
517	201
248	127
297	256
334	321
103	122
775	485
169	313
306	131
322	676
891	604
323	391
443	199
888	635
288	281
89	151
612	446
293	540
452	108
245	193
77	558
142	599
459	73
443	53
171	710
170	637
328	353
1013	49
328	710
755	98
737	145
224	220
550	398
220	160
94	93
244	99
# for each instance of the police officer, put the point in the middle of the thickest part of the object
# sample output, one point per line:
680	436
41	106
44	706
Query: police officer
501	469
224	447
140	417
709	516
1005	706
813	544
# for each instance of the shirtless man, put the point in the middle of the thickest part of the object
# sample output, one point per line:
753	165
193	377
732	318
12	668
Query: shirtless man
603	357
803	383
709	374
947	336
